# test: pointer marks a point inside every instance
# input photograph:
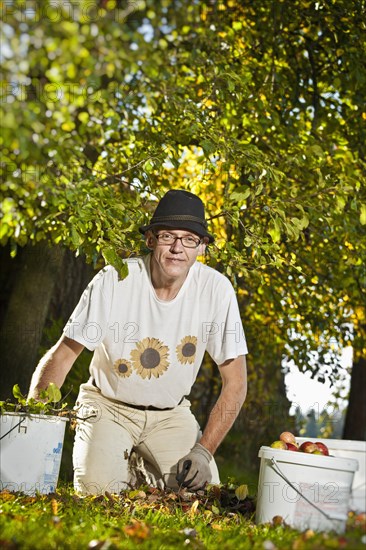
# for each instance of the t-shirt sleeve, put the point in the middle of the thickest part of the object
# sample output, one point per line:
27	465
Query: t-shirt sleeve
89	321
226	338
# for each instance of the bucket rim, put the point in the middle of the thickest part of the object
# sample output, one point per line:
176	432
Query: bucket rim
316	461
32	416
353	445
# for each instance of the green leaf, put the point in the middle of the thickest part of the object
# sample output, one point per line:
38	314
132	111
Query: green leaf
53	393
208	146
76	238
240	195
300	223
259	188
122	268
17	393
274	231
110	255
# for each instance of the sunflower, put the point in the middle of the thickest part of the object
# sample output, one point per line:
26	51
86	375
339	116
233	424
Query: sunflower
123	368
150	358
186	350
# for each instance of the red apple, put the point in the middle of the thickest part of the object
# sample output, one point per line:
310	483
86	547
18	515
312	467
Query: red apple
279	445
323	448
288	437
308	447
292	447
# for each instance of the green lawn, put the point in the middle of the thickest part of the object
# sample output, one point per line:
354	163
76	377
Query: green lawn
148	518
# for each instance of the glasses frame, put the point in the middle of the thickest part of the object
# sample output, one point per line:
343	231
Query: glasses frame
175	239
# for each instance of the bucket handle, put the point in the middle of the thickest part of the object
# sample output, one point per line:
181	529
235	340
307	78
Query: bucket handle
281	474
14	427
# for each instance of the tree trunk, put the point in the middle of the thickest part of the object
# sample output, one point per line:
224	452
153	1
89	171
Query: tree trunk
25	314
355	423
42	283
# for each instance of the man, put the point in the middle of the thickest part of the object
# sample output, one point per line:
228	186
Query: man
149	333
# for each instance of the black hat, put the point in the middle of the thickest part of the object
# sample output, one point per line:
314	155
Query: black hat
181	210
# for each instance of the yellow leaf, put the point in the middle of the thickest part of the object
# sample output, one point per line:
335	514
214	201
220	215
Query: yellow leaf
363	214
54	506
193	509
6	495
68	126
241	492
136	494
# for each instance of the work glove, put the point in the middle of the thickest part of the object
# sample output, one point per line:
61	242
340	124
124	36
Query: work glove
193	470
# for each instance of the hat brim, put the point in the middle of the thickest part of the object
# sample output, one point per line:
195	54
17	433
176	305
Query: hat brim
184	225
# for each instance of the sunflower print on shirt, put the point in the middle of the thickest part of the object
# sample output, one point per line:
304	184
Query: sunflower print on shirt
123	368
150	358
186	349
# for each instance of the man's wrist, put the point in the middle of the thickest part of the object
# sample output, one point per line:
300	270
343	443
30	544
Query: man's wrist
210	448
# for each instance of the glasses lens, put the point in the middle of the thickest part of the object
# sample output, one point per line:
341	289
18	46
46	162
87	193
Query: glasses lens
187	242
165	238
190	242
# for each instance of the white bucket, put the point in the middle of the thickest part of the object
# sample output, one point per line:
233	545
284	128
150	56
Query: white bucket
307	491
346	448
31	448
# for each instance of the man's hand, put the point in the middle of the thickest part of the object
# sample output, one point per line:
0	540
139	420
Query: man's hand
193	470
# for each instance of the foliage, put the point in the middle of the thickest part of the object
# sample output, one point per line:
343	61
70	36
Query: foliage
260	110
49	402
154	519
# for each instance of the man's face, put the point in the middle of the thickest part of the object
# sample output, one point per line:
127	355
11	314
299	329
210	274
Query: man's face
174	259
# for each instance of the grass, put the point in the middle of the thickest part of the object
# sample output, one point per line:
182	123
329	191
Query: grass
151	519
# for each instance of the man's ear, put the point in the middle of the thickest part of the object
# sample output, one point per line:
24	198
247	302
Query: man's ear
202	247
150	240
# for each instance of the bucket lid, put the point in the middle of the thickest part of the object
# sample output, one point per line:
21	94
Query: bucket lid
308	459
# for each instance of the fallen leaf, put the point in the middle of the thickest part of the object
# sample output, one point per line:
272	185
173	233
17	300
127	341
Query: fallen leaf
54	506
277	520
137	529
6	495
241	492
215	491
136	494
193	509
309	534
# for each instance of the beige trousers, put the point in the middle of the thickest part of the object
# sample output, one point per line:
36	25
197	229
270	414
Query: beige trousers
107	432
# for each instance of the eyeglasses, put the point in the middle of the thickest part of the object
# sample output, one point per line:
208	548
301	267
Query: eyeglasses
170	239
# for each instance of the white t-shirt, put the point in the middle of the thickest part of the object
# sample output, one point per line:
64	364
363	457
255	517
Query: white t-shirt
148	351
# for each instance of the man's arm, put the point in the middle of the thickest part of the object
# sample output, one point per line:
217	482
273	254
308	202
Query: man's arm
231	399
55	365
193	470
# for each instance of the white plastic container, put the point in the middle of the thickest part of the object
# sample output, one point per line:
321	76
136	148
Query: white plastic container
346	448
30	452
307	491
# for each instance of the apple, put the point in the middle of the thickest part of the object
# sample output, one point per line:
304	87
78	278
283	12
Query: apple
308	447
322	448
288	437
292	447
279	445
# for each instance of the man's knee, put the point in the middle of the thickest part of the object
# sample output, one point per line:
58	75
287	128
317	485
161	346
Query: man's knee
83	485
